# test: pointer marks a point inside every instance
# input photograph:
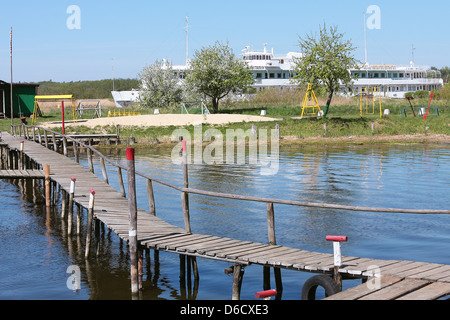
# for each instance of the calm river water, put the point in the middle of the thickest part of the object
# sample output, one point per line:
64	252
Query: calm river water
36	253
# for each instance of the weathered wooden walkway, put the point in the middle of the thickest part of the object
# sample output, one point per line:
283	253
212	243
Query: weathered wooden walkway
112	208
21	174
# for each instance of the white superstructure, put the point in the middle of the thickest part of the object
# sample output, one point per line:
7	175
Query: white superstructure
270	70
396	81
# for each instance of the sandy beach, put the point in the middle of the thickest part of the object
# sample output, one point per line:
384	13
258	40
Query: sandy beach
164	120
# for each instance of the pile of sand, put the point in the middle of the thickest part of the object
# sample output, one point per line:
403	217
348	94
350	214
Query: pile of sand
164	120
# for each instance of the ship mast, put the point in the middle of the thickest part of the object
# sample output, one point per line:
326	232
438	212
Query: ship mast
365	40
187	40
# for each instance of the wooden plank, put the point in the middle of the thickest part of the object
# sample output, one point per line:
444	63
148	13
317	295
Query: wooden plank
275	257
396	290
431	273
210	243
211	251
418	270
364	289
432	291
21	174
239	254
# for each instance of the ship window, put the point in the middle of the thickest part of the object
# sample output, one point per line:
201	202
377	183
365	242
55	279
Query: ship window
258	75
272	75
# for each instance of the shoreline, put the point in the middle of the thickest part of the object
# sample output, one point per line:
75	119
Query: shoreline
291	142
165	121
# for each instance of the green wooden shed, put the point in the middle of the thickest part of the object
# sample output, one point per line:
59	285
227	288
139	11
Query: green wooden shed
23	99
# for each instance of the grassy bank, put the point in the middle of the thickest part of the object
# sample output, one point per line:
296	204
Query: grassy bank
343	124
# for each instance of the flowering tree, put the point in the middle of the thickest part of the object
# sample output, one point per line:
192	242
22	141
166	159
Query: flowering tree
160	86
326	61
215	72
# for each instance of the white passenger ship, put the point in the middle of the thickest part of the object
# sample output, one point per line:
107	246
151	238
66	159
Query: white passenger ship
270	71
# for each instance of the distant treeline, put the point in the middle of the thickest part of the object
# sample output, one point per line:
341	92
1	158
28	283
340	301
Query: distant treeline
99	89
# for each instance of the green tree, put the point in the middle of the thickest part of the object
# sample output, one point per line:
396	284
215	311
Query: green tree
160	86
215	72
325	61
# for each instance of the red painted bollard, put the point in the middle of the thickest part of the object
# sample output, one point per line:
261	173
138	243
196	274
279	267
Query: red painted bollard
337	257
337	248
266	294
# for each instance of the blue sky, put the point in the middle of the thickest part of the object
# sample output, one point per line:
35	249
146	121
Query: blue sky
127	36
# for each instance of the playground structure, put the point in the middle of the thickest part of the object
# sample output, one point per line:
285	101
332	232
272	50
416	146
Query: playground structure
307	108
422	111
186	105
37	111
367	100
90	104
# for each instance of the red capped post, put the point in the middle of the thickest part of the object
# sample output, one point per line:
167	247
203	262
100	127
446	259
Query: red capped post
132	231
336	238
130	154
337	256
266	294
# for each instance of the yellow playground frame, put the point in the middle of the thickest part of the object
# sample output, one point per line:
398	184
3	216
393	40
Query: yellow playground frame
310	95
367	92
37	110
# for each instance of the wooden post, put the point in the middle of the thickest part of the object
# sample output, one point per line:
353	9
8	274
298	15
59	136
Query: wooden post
45	138
89	223
75	151
118	134
105	174
47	185
21	162
238	274
140	266
132	233
337	257
55	146
90	160
271	223
184	195
63	203
151	198
78	219
39	136
272	241
121	185
64	139
70	215
97	236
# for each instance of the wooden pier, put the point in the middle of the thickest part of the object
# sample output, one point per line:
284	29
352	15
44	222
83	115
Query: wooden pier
80	185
